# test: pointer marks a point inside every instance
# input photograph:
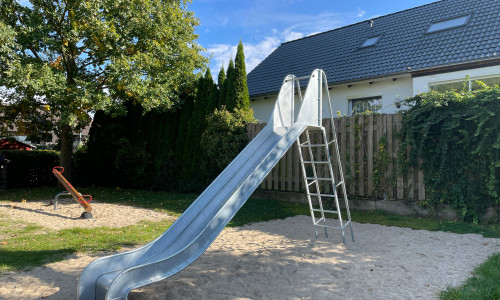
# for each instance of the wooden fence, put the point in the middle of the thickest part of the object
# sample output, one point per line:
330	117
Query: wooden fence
369	147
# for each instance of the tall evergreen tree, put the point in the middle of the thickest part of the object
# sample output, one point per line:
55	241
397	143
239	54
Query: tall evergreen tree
213	99
223	99
238	89
221	78
196	126
181	142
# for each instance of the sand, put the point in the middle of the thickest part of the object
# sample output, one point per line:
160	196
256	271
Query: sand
279	259
69	211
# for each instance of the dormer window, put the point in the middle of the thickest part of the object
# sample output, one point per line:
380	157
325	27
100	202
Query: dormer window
448	24
371	41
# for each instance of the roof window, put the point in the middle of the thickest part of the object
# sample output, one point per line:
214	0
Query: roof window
371	41
448	24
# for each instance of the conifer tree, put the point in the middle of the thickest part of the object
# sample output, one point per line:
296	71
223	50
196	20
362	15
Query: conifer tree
221	78
238	89
196	126
225	86
213	99
181	143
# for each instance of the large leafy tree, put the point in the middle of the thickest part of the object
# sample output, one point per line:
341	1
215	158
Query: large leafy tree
62	60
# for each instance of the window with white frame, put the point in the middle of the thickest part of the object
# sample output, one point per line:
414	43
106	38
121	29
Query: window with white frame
365	105
465	85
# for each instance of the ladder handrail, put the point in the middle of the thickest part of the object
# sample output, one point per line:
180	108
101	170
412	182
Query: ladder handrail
334	136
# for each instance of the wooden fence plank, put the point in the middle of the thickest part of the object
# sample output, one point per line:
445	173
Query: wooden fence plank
296	168
379	131
369	155
343	144
289	174
421	186
390	171
333	151
410	179
326	172
397	142
352	157
269	178
360	157
282	175
251	131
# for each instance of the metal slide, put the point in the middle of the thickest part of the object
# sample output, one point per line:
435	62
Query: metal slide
113	277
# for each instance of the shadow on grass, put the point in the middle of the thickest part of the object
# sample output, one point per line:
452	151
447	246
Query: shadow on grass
18	260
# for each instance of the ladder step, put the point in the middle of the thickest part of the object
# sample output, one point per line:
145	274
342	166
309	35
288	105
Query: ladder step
326	211
322	195
316	178
314	145
316	162
328	226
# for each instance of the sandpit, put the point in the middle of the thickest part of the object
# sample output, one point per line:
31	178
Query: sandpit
280	259
69	211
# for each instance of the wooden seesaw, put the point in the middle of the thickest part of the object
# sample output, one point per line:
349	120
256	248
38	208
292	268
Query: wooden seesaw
70	190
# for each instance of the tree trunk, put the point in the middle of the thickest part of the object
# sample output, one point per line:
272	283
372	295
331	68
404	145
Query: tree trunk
66	139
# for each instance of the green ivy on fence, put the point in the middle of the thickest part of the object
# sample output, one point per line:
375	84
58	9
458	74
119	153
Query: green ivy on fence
383	179
457	137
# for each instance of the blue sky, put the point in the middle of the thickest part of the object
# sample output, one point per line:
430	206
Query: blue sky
262	25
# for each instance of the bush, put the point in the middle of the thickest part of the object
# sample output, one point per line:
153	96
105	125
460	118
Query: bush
223	139
31	168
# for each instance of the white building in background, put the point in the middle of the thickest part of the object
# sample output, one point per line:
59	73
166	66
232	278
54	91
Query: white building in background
375	64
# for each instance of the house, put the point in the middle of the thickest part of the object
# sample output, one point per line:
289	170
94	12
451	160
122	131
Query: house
374	64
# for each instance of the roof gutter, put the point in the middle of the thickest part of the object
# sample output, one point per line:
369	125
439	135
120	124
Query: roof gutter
494	61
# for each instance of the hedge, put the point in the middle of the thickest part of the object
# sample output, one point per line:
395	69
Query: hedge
30	168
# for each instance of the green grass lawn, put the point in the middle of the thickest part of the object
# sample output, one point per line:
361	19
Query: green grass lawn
484	285
23	246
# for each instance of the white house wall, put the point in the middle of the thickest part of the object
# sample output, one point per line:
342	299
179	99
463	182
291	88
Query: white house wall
392	91
421	84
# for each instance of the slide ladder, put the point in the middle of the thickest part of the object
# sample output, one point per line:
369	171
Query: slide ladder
317	168
114	276
320	184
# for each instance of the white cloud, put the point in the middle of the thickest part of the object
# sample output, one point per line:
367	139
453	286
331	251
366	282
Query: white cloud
292	35
361	13
254	53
